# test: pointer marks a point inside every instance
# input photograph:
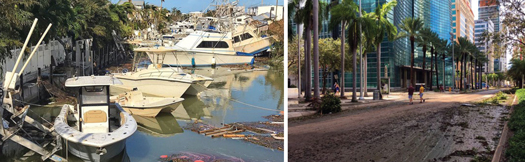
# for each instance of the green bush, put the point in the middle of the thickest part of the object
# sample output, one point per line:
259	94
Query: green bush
515	152
330	104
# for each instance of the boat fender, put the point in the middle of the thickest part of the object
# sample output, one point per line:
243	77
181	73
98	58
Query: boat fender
213	63
124	70
253	61
193	62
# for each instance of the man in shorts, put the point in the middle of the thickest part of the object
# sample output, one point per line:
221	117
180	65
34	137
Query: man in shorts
410	93
421	90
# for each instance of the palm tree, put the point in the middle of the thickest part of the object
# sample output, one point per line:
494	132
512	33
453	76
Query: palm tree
410	28
439	47
347	12
369	36
383	27
465	48
425	40
305	16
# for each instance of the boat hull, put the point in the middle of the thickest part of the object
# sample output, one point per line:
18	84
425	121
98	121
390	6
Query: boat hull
205	59
149	112
154	87
89	153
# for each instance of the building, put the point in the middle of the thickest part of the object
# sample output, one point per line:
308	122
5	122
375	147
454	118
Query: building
463	19
485	45
139	4
258	10
489	9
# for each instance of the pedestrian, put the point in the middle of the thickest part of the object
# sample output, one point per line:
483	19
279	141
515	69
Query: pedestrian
336	86
410	93
421	90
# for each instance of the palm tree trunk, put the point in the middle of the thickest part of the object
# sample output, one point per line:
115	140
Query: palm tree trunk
342	85
299	85
325	74
354	73
308	71
462	71
316	48
379	70
432	67
457	69
412	79
365	62
437	72
424	63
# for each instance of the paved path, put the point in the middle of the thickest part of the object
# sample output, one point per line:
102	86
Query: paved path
350	135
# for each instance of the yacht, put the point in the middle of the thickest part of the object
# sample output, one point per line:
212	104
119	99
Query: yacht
135	103
99	129
205	48
156	80
247	42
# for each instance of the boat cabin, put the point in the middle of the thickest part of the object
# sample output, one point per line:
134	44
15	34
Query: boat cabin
93	107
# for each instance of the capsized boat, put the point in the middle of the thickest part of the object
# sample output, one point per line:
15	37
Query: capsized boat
135	103
100	129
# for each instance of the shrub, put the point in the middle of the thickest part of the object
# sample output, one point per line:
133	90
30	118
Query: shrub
330	104
515	152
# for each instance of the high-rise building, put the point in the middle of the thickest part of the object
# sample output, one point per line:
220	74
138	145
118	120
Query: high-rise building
489	9
462	19
485	45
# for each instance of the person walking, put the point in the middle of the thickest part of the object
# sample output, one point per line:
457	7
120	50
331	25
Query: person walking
336	87
410	93
421	90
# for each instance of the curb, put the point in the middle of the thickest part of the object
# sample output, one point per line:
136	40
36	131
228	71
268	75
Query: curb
504	137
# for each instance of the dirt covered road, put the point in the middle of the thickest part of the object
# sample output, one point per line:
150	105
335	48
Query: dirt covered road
438	130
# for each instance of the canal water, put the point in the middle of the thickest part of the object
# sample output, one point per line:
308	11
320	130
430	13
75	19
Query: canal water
234	96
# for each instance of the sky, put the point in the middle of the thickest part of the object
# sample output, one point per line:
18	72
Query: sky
474	6
199	5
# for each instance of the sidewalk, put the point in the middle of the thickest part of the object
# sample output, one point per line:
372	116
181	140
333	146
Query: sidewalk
297	109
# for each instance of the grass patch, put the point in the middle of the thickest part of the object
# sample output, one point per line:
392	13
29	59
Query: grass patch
515	151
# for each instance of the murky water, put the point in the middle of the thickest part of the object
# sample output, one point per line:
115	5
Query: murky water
234	96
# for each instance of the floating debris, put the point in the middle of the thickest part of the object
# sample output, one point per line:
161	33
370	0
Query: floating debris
198	157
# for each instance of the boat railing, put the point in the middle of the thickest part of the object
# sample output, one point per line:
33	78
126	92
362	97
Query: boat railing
164	74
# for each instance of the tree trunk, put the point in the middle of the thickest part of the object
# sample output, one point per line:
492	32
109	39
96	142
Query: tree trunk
457	69
342	77
412	79
299	85
437	72
365	62
308	79
432	68
379	70
354	73
462	71
316	48
424	63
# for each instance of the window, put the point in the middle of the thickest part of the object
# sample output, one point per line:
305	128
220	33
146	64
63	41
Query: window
213	44
453	12
236	39
246	36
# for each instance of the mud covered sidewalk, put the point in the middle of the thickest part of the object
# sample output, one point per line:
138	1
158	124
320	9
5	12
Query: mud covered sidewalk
438	130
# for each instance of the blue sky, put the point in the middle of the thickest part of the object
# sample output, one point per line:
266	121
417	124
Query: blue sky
198	5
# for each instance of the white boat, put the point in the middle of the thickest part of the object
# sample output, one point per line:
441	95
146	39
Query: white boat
135	103
202	48
100	129
247	43
156	80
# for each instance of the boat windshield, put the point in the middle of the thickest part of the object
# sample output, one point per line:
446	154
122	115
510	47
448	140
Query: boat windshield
94	95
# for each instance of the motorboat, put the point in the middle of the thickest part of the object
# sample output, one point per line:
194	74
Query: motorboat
135	103
204	48
94	129
156	80
247	43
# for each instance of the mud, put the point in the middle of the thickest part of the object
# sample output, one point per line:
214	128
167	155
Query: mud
438	130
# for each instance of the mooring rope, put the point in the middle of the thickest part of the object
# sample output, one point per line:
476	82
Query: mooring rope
254	105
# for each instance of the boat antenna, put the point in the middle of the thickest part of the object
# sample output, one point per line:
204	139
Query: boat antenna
21	53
